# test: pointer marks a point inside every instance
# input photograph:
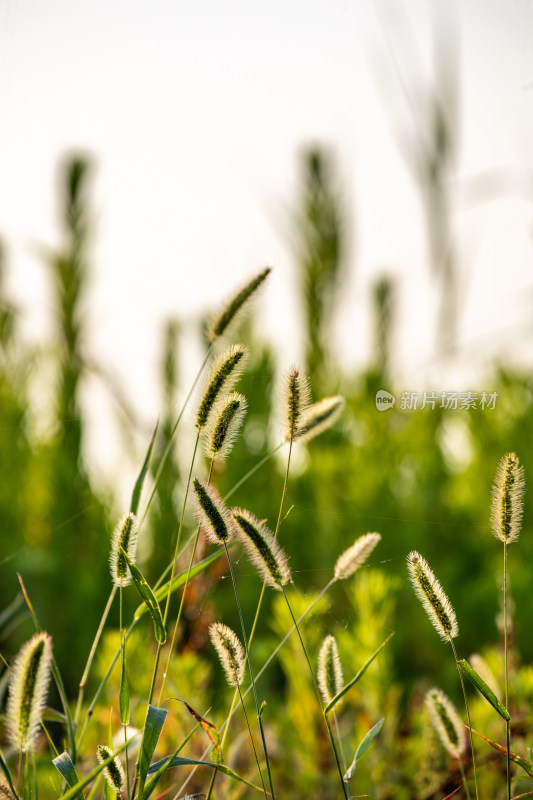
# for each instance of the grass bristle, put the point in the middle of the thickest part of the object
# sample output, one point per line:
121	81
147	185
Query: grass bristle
221	378
28	688
212	514
262	549
230	651
446	721
224	426
432	596
232	309
507	499
355	556
318	417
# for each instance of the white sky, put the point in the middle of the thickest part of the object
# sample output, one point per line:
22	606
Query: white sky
195	114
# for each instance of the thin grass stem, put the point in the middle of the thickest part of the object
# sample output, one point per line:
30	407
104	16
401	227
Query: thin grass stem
317	690
468	718
506	662
94	645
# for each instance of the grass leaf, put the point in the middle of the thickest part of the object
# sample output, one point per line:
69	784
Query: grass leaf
5	770
346	688
363	748
211	730
137	489
153	724
149	599
178	761
63	764
527	766
482	687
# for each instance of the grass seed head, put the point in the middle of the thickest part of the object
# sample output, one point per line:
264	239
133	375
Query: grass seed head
224	426
230	651
125	537
330	680
446	721
222	377
262	549
352	558
318	417
212	514
233	308
114	772
432	596
28	688
507	499
296	397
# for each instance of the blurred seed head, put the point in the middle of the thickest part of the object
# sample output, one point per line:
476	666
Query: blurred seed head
330	680
446	721
352	558
230	312
230	651
318	417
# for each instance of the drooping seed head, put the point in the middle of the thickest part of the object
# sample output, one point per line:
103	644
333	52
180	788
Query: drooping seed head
355	556
446	722
212	514
432	596
262	549
222	377
233	308
230	651
226	421
27	691
318	417
124	538
507	499
296	396
114	772
330	680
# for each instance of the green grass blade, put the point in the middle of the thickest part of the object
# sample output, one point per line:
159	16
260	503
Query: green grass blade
63	764
73	792
149	598
482	687
178	761
364	747
527	766
333	702
179	580
137	489
5	770
124	695
153	724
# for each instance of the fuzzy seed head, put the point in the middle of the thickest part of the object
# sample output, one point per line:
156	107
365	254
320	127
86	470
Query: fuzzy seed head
296	397
224	426
262	549
212	514
230	651
28	688
222	377
232	309
355	556
330	680
507	499
318	417
446	722
114	772
125	538
431	594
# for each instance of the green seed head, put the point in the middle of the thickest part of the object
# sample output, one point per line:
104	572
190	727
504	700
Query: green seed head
330	680
28	688
230	651
262	549
125	538
114	772
212	514
446	722
232	310
507	499
318	417
224	426
296	396
222	377
432	596
355	556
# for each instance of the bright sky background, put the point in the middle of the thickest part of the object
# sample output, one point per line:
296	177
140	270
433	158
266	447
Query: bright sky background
195	114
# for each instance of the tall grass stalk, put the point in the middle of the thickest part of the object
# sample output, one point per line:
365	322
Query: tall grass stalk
468	718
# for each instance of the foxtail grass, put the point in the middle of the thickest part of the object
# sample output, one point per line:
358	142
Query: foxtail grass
448	726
